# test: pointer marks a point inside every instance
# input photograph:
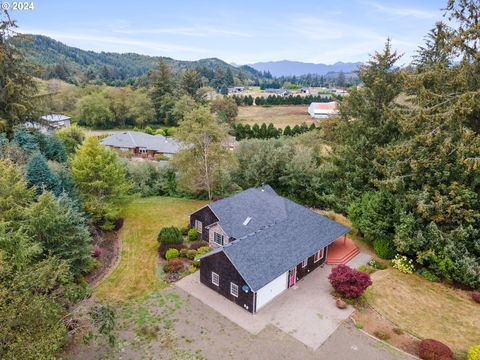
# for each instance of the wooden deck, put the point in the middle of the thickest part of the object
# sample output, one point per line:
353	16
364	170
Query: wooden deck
341	251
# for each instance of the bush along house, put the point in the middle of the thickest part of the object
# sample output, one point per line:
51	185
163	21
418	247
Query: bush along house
263	244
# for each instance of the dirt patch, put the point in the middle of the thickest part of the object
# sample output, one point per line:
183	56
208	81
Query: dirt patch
110	245
375	324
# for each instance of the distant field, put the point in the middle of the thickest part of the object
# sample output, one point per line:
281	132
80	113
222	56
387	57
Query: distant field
280	116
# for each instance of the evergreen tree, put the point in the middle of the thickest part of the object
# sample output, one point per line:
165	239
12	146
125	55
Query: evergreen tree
39	175
190	82
72	138
162	84
15	197
17	86
100	178
287	131
61	230
54	149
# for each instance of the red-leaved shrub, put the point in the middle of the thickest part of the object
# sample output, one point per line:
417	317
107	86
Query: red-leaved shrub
430	349
172	265
476	296
349	282
97	252
162	249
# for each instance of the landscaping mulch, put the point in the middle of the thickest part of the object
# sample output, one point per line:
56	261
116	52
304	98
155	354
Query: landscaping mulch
375	324
110	244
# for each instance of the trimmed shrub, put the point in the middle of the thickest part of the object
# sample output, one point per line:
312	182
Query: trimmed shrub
359	325
377	265
191	254
430	349
192	234
183	253
201	251
172	265
476	296
198	244
171	253
349	282
192	269
170	235
382	335
384	249
473	353
162	249
366	269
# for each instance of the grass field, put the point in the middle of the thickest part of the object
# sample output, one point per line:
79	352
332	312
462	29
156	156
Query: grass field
135	274
425	309
280	116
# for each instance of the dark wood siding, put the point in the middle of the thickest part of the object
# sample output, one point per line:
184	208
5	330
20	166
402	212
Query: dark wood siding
311	265
206	216
220	264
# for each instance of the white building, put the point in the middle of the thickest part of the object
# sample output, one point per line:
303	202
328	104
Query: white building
322	110
49	123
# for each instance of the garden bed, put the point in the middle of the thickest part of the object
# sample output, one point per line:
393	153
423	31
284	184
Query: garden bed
110	247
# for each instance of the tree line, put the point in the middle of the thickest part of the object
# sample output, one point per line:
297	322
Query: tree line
269	131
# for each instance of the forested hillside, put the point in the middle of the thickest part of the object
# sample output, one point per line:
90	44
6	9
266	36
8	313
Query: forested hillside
71	64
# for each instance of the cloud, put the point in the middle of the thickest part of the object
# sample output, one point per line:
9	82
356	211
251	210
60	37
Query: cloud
403	11
119	44
195	31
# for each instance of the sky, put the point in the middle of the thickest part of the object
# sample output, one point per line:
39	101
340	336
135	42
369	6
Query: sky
240	32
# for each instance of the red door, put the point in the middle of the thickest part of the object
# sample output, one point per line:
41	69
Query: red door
291	277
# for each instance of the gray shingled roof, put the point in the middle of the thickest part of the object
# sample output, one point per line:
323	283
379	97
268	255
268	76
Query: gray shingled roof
257	204
290	233
134	139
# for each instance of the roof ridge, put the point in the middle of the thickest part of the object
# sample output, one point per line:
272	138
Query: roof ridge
131	137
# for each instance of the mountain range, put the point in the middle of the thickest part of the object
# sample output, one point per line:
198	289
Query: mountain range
290	68
58	60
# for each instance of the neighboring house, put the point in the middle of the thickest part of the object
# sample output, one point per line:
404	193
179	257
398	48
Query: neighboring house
236	90
321	110
281	92
263	244
305	90
49	123
142	145
230	143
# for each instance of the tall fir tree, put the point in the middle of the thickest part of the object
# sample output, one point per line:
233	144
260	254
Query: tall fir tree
39	175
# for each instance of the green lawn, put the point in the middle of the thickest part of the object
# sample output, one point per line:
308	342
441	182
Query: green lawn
135	274
425	309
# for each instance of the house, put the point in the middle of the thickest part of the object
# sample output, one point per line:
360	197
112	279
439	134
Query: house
142	145
305	90
49	123
280	92
236	90
262	245
231	143
322	110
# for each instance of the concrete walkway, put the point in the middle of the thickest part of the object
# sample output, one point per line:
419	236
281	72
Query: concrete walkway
306	311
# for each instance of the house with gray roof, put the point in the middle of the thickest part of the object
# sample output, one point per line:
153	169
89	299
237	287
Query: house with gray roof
49	123
262	245
142	145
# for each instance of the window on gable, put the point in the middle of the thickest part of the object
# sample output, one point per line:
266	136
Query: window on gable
318	255
215	278
304	263
218	238
234	289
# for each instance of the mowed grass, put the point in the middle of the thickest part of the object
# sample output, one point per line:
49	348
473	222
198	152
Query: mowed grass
425	309
280	116
135	274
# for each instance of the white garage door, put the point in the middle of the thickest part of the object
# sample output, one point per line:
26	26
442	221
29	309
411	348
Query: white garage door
272	289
